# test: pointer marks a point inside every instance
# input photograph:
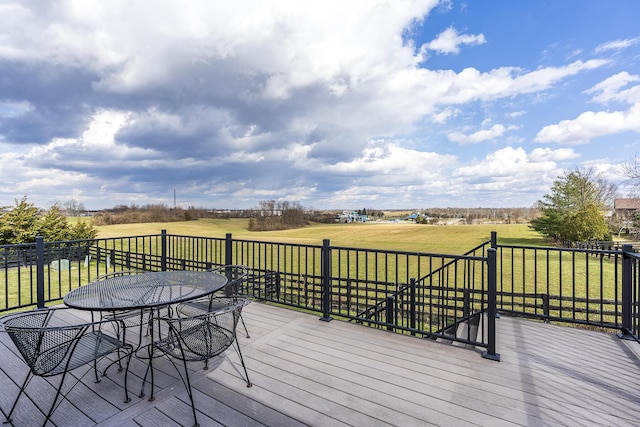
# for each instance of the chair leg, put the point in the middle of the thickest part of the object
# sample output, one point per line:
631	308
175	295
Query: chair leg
190	392
55	399
242	361
22	389
127	399
245	326
187	384
95	371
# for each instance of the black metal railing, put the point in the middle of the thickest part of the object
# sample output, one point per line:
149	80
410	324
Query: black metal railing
449	297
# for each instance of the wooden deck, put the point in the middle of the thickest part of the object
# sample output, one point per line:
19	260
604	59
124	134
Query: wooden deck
309	372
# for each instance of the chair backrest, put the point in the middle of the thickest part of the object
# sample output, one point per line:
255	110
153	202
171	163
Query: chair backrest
262	284
235	275
45	348
116	274
202	336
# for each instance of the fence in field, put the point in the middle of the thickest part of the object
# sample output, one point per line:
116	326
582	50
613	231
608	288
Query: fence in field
439	296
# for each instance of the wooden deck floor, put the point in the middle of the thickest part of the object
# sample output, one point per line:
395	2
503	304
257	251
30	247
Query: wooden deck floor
309	372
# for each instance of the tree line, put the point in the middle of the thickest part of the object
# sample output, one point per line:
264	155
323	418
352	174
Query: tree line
272	215
133	214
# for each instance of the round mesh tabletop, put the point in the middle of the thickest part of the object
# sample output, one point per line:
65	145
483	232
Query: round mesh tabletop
144	290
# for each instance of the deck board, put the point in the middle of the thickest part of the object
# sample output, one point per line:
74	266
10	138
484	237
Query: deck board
308	372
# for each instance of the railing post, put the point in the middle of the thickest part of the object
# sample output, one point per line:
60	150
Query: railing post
546	307
627	293
391	312
466	303
40	272
494	239
412	309
228	249
491	306
325	260
163	257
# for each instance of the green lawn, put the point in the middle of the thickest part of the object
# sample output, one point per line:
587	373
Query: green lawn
450	239
523	272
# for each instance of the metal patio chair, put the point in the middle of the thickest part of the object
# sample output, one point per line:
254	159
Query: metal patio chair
236	275
202	337
50	347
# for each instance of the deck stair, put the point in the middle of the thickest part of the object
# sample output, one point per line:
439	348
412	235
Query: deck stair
466	329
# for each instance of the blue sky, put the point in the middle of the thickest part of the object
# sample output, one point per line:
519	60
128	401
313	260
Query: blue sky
333	104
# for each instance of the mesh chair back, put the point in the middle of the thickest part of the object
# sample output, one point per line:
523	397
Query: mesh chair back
235	275
45	349
262	284
202	336
50	350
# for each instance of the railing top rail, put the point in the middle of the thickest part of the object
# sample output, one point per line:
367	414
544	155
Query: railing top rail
140	236
18	245
452	257
563	249
634	255
187	236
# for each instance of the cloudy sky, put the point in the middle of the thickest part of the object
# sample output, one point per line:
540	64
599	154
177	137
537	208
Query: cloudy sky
332	104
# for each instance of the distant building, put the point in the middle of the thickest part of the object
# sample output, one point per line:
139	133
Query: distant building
351	216
625	211
626	208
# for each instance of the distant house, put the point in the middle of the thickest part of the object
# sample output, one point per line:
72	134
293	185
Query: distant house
626	208
416	216
351	216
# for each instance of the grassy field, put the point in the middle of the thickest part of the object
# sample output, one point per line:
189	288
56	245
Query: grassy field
451	239
522	271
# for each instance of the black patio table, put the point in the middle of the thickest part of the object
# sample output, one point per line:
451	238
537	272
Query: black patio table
144	291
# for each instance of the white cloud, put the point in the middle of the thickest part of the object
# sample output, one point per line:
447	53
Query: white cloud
610	89
617	44
505	175
506	162
450	40
548	155
494	132
447	87
443	116
590	125
593	124
515	114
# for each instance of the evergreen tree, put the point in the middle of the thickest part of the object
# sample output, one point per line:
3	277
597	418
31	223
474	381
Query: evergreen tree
23	223
20	224
53	226
572	211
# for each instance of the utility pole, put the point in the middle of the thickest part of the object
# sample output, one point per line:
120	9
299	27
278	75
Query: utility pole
174	197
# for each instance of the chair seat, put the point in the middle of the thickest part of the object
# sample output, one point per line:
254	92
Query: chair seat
90	346
204	305
197	340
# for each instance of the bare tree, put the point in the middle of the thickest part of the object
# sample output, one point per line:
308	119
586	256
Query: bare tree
73	207
631	170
